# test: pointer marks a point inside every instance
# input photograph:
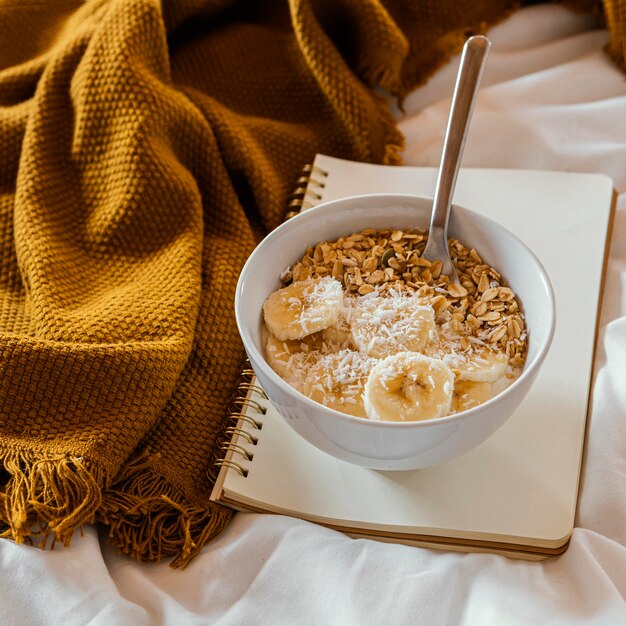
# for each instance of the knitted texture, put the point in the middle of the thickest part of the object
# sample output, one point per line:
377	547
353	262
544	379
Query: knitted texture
144	148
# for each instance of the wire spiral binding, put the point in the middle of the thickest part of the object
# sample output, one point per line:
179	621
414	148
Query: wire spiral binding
226	452
307	191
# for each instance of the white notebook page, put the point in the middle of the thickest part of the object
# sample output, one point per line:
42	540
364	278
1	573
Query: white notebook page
521	484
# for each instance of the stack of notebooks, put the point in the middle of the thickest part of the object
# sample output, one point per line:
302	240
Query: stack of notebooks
516	493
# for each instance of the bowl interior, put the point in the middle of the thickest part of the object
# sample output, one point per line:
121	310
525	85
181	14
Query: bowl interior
496	245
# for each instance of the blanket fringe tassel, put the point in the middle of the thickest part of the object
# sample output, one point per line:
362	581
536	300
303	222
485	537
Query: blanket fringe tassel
43	499
149	520
49	497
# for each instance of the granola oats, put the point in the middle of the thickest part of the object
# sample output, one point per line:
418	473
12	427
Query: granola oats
480	307
398	311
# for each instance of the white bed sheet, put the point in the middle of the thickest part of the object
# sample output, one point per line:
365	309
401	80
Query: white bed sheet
552	100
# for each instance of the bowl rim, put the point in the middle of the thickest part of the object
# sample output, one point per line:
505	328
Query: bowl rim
325	207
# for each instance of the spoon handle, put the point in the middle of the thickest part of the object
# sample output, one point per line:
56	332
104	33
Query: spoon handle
470	72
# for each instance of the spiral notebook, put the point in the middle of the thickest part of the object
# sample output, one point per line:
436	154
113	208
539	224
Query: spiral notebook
516	493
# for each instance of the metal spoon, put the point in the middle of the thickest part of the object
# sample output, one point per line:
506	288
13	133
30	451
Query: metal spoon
467	81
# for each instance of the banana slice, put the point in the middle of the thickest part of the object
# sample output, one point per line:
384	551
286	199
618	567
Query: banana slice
338	380
468	394
289	359
382	326
484	367
339	334
303	308
502	383
409	387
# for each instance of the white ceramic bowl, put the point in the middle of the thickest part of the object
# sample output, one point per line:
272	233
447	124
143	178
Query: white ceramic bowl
392	445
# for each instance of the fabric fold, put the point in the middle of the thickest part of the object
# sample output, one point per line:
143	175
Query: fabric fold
144	147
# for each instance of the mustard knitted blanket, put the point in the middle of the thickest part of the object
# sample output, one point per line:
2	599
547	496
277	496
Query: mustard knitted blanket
145	146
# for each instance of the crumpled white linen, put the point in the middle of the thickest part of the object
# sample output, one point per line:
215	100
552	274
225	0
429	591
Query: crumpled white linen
552	100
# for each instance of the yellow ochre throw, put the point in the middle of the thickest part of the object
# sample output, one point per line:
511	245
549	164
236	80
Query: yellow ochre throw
144	148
